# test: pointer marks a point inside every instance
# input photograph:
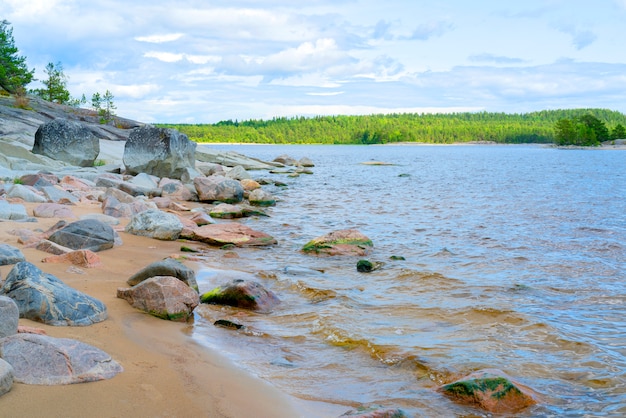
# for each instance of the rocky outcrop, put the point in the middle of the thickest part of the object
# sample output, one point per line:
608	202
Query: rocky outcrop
159	151
155	223
86	234
165	297
231	233
260	197
44	298
344	242
42	360
68	141
244	294
491	390
167	267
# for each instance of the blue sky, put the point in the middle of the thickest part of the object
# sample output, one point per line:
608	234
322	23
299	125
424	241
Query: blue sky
202	61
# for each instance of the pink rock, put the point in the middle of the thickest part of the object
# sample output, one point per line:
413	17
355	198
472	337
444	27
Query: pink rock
232	233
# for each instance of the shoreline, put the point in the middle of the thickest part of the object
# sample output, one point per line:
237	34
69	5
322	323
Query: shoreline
166	373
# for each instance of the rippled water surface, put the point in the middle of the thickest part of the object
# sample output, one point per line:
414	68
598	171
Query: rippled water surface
515	258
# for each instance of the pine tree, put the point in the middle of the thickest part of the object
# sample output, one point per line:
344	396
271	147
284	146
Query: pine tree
13	70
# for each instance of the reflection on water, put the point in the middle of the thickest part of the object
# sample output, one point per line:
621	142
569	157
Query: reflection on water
514	258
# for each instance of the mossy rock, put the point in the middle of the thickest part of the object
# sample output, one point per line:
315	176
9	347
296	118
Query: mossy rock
490	390
344	242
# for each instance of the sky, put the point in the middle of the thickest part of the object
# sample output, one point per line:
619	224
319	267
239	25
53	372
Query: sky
203	61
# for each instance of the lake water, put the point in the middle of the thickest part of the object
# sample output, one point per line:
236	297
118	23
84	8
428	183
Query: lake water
515	259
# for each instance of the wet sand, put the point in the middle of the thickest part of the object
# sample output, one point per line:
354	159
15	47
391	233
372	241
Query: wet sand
166	374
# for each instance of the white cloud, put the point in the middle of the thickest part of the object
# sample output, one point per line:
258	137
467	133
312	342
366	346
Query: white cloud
307	56
306	80
164	56
157	39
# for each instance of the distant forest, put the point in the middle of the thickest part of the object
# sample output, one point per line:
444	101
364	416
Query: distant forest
535	127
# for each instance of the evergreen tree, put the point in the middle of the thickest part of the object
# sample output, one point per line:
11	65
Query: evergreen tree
618	132
13	70
56	85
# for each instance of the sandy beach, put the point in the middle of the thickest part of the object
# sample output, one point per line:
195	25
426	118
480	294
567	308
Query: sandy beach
166	374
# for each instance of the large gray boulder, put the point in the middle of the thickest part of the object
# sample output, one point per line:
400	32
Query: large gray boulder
167	267
159	151
86	234
165	297
6	377
44	298
9	317
68	141
43	360
155	223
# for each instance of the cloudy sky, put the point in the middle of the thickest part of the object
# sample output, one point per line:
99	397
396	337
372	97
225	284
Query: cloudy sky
202	61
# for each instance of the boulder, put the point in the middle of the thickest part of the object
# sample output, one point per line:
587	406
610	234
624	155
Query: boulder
249	185
26	193
6	377
226	211
86	234
167	267
67	141
159	151
260	197
53	210
218	189
155	223
165	297
367	266
81	258
286	160
39	180
244	294
10	255
9	317
109	220
138	190
43	360
12	212
238	173
344	242
306	162
176	190
112	207
44	298
231	233
491	390
75	183
58	195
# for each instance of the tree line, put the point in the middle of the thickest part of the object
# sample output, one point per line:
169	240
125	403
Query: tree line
534	127
15	76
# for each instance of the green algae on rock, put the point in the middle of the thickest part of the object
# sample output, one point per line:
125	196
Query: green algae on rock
344	242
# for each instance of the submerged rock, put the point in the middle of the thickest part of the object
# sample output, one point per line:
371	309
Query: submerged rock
165	297
245	294
491	390
375	412
42	360
344	242
366	266
44	298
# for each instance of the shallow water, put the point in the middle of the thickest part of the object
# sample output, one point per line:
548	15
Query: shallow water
515	258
